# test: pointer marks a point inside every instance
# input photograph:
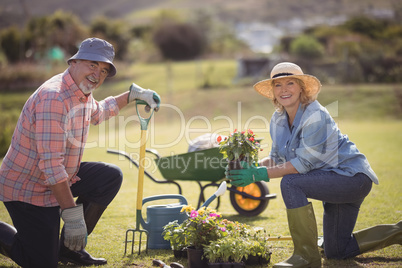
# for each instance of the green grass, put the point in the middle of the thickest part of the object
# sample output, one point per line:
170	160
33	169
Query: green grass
368	114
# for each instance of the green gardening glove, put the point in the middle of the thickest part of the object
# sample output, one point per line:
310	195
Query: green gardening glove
248	175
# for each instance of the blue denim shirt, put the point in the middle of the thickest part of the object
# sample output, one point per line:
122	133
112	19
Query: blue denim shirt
315	142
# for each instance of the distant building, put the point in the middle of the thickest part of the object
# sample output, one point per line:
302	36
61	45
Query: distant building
261	37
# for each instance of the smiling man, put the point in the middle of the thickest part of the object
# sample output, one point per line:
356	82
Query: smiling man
42	172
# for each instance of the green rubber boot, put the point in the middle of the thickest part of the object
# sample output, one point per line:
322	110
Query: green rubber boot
303	229
379	236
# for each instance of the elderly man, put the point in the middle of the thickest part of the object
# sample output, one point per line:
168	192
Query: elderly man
42	172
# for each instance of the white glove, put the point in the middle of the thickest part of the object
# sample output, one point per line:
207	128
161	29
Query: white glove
75	229
147	95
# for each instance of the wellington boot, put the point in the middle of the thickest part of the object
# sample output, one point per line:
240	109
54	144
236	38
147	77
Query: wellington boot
303	229
7	233
379	236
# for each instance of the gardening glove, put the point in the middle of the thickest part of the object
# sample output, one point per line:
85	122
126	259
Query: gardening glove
247	175
147	95
75	229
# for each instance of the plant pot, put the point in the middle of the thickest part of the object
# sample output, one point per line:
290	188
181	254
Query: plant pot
195	258
235	164
255	260
180	253
238	265
226	265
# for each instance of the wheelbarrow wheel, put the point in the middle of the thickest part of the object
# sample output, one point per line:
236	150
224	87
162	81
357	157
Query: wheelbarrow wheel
247	206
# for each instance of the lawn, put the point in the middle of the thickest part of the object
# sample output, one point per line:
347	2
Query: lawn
368	114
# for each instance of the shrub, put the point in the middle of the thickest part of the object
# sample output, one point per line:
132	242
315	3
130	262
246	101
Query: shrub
179	41
307	47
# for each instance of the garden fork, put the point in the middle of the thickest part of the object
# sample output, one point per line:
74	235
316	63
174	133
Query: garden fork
144	126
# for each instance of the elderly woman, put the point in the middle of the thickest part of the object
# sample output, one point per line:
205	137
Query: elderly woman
316	161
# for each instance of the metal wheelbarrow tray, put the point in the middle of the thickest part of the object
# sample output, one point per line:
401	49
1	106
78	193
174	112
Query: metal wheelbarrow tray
207	166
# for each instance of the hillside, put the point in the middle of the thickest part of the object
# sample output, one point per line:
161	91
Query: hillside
141	11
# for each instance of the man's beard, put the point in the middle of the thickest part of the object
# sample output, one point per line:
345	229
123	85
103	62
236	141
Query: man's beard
86	89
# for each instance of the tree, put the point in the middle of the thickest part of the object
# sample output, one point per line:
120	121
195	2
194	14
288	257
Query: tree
307	47
179	41
10	40
114	31
62	29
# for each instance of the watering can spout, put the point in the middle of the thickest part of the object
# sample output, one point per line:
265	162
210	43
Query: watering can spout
221	190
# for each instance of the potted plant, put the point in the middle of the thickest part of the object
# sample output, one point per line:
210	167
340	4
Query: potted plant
203	226
200	228
259	248
210	238
245	245
239	146
226	252
174	233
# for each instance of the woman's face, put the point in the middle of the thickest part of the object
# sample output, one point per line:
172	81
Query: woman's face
287	91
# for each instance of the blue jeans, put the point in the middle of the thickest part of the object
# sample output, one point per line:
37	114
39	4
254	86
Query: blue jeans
36	244
341	197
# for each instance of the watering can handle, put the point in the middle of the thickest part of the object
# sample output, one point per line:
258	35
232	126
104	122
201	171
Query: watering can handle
183	200
143	121
159	197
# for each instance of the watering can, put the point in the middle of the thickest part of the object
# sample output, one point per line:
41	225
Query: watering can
160	215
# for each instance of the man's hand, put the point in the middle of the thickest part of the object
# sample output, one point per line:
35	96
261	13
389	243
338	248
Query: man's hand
247	175
147	95
75	229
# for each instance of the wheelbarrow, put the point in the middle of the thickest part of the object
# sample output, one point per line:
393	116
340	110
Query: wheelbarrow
207	169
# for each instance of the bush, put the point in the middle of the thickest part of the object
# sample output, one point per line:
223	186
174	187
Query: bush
307	47
10	43
178	41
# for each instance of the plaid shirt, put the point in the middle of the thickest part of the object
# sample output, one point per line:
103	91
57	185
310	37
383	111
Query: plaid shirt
49	140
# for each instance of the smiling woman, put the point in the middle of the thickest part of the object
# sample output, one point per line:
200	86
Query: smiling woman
315	161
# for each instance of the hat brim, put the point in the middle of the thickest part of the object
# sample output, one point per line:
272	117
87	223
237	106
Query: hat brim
313	85
94	57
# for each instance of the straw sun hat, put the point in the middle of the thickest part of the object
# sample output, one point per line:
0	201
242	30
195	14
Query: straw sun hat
288	69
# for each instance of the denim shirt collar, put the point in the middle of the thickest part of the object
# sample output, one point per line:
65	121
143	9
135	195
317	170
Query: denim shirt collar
296	121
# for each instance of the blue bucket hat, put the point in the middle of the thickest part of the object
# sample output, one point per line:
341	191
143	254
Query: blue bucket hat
95	49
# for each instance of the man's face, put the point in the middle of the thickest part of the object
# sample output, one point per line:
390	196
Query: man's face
89	75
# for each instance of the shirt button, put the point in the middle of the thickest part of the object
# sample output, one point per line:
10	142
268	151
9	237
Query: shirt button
293	149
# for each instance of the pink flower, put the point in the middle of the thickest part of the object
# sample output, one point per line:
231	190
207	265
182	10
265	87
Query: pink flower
194	214
251	139
250	132
223	229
